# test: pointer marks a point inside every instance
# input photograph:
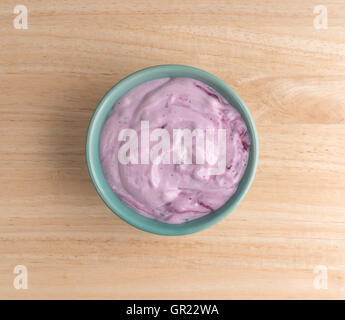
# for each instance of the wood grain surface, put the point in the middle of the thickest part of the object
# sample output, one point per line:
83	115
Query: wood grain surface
292	78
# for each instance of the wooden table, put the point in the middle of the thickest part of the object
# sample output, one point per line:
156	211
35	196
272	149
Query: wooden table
291	224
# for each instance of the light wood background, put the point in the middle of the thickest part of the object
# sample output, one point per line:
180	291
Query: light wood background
292	78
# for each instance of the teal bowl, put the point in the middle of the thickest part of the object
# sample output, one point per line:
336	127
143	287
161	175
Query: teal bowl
94	164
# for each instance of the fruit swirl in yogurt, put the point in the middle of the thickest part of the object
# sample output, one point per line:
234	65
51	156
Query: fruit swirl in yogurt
173	192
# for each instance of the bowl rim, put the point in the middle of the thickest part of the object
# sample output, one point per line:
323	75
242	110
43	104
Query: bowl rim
96	173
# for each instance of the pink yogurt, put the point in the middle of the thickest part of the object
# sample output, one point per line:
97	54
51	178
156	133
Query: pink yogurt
173	193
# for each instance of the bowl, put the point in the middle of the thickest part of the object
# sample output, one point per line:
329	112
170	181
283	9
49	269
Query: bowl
94	165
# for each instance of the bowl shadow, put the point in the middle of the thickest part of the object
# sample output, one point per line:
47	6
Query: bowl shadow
73	103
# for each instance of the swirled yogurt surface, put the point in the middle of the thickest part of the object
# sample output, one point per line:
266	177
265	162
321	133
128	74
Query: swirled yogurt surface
173	193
